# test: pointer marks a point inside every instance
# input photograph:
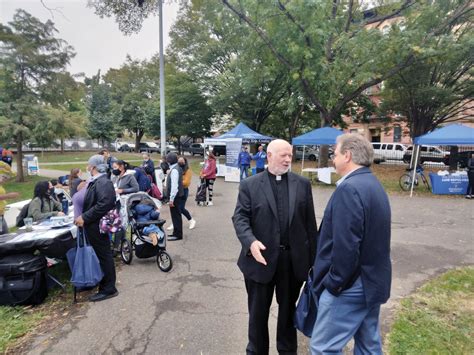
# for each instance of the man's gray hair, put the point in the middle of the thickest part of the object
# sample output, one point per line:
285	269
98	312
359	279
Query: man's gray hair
97	161
359	146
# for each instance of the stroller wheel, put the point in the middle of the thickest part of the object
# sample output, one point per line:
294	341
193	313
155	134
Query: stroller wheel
126	251
164	261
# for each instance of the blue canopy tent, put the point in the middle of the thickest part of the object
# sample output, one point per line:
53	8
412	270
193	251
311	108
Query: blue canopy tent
240	134
243	131
320	136
454	134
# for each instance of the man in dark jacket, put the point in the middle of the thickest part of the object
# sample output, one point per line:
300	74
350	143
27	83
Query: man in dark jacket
352	269
175	191
275	223
99	199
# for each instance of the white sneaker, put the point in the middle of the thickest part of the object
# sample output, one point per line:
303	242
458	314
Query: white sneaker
192	223
210	203
170	228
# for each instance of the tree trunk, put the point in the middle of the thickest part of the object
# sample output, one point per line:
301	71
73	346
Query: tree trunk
19	160
62	145
324	149
179	145
138	137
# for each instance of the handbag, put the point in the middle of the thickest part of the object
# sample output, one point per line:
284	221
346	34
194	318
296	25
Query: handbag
84	264
155	192
111	222
306	309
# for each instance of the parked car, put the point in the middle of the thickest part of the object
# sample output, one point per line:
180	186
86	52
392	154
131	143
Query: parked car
390	151
149	147
196	149
427	153
461	158
170	148
309	153
378	158
126	147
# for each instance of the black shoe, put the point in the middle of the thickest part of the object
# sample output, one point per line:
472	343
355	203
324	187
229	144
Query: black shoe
173	237
99	296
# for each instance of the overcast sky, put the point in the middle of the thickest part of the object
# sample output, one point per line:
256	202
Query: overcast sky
98	42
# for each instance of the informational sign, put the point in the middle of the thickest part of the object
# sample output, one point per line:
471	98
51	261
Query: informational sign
455	184
233	147
32	165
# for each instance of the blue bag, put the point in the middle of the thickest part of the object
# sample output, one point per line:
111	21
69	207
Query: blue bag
306	309
84	264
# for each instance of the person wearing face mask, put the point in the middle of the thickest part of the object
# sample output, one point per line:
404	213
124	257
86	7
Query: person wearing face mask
123	179
187	175
42	205
174	189
149	166
125	183
98	201
275	224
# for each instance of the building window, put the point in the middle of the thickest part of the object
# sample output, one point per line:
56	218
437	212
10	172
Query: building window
397	134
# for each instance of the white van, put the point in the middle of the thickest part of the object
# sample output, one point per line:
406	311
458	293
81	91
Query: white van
390	151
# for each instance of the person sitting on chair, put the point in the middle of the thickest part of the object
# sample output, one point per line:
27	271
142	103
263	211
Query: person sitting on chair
43	205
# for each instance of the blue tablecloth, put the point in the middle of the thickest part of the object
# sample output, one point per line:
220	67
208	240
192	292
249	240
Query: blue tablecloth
448	184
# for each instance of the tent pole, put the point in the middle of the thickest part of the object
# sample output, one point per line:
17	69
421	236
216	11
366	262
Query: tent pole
416	149
302	160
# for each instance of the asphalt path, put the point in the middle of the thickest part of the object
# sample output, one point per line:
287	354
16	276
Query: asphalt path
200	306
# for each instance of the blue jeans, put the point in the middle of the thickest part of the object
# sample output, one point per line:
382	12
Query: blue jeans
244	169
341	318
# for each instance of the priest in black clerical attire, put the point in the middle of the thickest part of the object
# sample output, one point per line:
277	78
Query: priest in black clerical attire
275	223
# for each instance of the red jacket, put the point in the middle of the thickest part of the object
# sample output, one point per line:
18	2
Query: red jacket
209	169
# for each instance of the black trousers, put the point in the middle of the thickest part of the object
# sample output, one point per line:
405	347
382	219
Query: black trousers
260	297
101	245
470	186
177	218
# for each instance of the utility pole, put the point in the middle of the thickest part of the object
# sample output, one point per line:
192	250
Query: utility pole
162	83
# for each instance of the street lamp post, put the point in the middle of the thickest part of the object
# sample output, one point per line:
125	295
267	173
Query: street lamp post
162	83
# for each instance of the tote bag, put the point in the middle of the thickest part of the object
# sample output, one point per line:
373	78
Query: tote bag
84	264
306	309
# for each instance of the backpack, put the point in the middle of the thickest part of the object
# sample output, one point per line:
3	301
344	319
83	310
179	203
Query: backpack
24	213
144	182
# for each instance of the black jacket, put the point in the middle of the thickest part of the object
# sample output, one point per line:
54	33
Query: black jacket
256	218
100	199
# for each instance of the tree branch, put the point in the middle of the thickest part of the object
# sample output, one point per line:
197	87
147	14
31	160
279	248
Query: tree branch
261	34
393	14
293	20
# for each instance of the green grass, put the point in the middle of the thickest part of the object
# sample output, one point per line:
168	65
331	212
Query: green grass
57	157
14	323
438	318
25	189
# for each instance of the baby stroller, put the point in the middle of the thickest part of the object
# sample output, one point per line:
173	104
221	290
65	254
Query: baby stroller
139	241
201	193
